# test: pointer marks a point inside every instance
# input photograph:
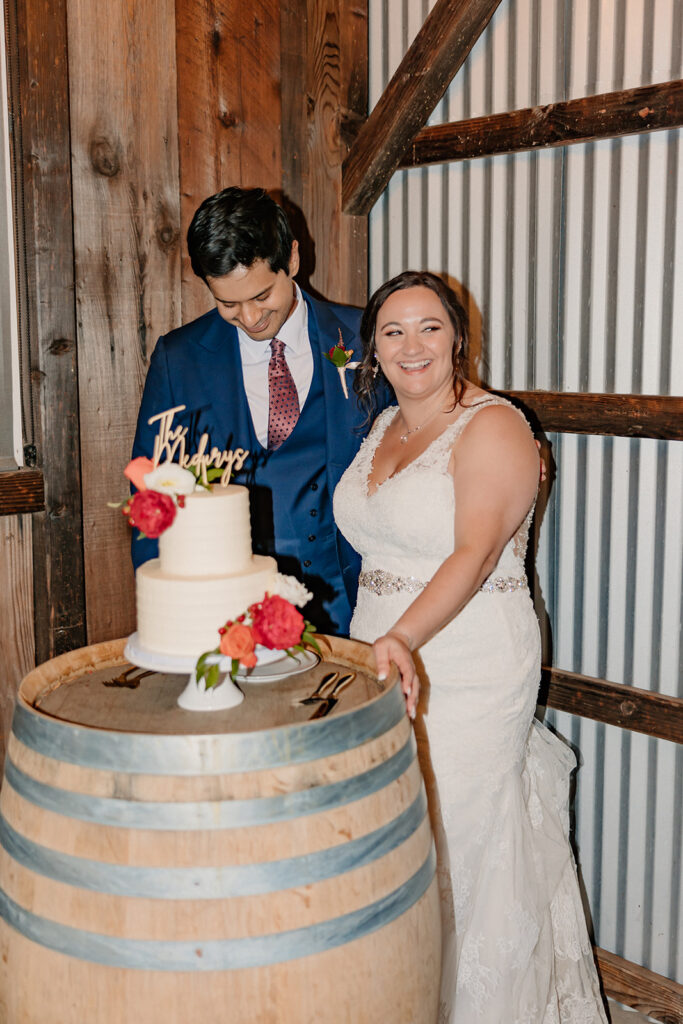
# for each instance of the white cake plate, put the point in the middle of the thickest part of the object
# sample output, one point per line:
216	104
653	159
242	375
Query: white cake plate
272	665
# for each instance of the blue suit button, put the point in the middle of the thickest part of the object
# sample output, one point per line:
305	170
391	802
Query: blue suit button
311	536
307	562
314	487
314	512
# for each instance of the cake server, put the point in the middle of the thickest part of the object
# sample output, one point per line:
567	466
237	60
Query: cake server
317	693
327	703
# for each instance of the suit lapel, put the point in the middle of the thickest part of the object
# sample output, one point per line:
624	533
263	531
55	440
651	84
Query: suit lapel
230	416
342	416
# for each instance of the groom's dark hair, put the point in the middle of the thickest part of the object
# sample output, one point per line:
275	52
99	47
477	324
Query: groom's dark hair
236	227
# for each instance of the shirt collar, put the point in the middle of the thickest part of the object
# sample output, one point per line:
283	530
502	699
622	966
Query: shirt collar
294	333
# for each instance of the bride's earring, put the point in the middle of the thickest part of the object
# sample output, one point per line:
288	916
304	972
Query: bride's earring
375	368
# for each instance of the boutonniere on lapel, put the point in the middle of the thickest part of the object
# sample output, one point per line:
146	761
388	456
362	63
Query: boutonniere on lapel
340	357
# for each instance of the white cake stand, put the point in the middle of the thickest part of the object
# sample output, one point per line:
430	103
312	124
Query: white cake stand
272	665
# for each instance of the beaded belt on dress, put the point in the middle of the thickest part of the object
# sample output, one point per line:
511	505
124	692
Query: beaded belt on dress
381	582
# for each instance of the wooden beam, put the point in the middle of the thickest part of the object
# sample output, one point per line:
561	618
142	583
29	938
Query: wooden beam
21	491
443	43
324	99
50	318
613	703
659	416
229	110
629	112
122	76
635	986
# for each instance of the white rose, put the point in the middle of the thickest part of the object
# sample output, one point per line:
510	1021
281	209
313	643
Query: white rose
291	590
171	479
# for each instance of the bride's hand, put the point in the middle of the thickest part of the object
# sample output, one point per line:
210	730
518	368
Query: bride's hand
393	647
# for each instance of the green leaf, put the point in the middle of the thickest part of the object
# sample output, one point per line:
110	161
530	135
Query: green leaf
308	637
202	668
212	677
234	668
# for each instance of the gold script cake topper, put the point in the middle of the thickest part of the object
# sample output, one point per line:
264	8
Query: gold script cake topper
170	441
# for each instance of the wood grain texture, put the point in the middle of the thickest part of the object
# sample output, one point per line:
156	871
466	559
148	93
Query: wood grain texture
229	109
395	964
324	99
629	112
440	48
652	994
127	251
614	703
17	646
21	491
51	319
659	416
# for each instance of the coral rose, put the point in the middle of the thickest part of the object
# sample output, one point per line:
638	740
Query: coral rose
151	512
136	470
238	643
276	623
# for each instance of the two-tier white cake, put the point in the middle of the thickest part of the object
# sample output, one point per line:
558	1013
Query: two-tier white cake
205	574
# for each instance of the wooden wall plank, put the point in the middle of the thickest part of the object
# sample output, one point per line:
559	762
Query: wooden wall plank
324	99
614	703
633	985
127	250
229	109
632	111
440	48
659	416
49	321
17	647
21	491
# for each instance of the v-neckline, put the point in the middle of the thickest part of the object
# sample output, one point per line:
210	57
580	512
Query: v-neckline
397	472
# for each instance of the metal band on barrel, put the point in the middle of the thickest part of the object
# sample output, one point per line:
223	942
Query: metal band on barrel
219	954
218	754
209	814
215	882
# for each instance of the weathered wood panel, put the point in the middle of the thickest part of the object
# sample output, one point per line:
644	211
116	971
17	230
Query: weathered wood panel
50	321
659	416
229	110
631	111
21	491
441	47
614	703
324	99
126	235
633	985
17	648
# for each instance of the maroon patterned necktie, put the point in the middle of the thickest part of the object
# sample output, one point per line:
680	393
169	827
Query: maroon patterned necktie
283	399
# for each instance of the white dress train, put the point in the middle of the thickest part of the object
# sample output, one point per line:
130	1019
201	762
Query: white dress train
516	948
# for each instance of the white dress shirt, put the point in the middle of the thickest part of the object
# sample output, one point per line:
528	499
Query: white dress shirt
255	356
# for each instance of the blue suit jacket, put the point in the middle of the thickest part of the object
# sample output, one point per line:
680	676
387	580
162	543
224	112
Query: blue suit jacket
198	366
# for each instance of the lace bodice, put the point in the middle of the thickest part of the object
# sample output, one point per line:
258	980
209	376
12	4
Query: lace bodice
404	524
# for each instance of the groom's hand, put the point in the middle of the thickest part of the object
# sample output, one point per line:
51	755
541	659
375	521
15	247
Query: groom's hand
394	647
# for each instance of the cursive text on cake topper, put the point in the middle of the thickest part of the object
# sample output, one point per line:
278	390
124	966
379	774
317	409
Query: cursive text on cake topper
170	442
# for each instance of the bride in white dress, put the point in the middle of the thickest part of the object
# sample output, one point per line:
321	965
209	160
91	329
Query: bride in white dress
438	502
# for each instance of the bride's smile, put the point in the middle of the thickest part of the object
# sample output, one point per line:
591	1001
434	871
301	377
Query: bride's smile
414	341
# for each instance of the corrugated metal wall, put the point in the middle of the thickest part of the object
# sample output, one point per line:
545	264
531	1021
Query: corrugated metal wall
572	262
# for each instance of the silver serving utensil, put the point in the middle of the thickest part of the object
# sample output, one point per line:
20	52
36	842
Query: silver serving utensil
317	693
327	703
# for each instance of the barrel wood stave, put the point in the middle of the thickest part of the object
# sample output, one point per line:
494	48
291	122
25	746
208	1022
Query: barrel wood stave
282	877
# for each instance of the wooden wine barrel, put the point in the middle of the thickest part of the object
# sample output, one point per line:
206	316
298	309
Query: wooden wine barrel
250	865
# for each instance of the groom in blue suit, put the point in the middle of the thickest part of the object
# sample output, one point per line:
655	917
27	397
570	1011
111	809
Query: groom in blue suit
251	373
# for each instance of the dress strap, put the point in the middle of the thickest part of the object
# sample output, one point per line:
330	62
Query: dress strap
440	449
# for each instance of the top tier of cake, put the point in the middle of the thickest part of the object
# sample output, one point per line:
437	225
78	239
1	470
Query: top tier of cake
210	536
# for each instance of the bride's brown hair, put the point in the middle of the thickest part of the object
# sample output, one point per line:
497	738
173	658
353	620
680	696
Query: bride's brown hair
368	376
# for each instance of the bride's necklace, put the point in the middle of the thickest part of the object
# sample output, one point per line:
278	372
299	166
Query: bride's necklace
413	430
